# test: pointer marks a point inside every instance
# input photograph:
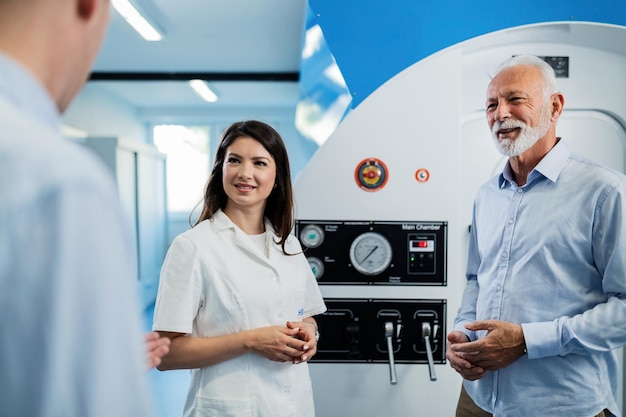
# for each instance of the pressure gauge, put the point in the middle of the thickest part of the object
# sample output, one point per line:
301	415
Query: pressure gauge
370	253
311	236
317	266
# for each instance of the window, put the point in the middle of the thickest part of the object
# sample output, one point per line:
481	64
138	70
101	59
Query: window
188	164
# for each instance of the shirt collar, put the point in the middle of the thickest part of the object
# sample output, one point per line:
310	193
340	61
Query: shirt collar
20	87
222	221
549	167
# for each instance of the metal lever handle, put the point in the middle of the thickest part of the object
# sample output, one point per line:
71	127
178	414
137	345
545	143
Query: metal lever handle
429	351
392	363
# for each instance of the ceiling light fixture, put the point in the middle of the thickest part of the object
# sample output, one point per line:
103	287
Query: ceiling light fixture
136	20
202	88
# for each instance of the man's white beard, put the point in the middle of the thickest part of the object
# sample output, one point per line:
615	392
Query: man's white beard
528	136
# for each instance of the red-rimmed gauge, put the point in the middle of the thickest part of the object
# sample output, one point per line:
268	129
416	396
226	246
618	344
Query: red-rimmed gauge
371	174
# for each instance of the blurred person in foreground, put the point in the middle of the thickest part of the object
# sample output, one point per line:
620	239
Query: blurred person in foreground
544	309
71	341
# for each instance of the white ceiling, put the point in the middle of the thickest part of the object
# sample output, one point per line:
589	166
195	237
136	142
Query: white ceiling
241	39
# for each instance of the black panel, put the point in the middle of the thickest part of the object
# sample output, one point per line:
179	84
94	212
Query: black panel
560	65
418	251
185	76
353	330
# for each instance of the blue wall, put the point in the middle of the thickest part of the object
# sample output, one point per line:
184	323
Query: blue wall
374	40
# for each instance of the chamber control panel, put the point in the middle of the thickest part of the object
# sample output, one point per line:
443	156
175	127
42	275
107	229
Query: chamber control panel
375	252
373	330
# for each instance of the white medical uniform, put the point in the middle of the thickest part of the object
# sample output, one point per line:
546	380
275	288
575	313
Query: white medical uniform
216	281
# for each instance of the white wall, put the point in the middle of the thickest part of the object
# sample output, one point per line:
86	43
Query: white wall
99	113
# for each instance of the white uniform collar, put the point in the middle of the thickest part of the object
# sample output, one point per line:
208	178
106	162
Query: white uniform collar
222	222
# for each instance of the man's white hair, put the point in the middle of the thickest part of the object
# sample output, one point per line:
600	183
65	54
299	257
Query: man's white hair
547	72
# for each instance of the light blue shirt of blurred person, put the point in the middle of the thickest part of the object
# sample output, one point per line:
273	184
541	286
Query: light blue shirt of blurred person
70	328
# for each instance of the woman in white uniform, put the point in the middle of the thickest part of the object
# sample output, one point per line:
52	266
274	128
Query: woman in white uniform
236	295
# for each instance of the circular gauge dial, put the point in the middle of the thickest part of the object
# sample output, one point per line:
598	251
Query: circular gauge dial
311	236
370	253
317	266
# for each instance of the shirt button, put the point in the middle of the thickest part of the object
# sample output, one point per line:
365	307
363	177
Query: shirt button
505	255
280	315
511	221
499	288
519	191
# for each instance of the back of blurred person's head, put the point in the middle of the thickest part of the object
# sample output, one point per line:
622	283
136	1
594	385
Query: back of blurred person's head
56	40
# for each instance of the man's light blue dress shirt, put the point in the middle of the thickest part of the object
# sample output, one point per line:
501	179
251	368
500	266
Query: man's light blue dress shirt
71	343
551	256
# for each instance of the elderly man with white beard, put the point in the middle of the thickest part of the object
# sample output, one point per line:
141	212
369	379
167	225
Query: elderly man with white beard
544	308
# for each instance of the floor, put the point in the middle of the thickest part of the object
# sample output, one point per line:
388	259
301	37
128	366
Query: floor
169	388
